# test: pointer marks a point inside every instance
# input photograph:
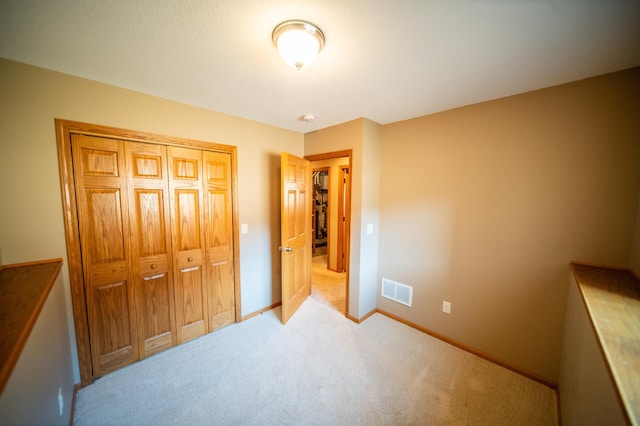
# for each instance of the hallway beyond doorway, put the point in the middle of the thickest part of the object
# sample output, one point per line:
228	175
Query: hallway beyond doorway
328	285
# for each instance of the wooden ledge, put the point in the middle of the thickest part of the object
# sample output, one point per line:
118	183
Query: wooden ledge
24	289
612	299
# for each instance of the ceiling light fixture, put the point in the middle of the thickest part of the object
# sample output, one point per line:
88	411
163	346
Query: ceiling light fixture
298	42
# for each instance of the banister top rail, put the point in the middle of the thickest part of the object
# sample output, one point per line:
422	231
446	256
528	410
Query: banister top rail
23	291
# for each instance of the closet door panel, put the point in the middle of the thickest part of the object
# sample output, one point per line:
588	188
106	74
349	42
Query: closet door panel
155	327
187	209
185	182
104	225
219	239
151	246
103	221
191	316
110	314
221	294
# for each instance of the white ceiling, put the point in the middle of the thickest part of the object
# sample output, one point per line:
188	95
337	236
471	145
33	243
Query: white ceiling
386	60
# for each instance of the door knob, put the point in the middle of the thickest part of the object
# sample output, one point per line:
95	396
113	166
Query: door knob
285	249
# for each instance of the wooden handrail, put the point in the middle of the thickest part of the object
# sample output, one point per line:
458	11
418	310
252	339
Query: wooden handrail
24	289
612	299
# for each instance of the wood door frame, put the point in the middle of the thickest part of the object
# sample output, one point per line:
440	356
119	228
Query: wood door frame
344	195
64	130
328	156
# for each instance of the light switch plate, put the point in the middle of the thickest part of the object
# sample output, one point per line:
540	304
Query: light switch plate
369	228
244	228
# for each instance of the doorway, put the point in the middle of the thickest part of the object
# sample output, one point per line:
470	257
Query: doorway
331	224
320	210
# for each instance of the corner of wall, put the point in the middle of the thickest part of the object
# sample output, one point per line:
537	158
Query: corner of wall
363	137
370	227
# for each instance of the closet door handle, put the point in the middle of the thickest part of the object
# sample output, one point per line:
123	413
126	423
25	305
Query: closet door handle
193	268
153	277
222	262
285	249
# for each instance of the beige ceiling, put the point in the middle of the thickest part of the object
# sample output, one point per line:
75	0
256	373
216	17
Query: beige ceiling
386	60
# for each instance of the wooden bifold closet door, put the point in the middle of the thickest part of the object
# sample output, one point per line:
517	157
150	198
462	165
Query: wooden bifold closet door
101	191
202	238
150	242
156	240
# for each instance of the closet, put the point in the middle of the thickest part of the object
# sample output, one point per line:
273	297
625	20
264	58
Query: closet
152	241
320	211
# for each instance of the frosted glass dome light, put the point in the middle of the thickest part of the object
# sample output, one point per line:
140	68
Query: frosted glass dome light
298	42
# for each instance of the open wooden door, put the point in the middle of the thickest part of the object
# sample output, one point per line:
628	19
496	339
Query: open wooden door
344	197
295	234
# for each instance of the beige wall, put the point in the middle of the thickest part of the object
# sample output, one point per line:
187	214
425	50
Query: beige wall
484	206
31	221
369	245
362	137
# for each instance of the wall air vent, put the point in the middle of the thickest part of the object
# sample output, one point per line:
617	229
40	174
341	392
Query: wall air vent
397	292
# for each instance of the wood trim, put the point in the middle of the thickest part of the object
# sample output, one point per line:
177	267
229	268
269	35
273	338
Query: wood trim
261	311
64	129
20	306
330	155
352	318
72	238
603	283
236	232
74	395
33	263
363	319
598	265
140	136
327	156
473	351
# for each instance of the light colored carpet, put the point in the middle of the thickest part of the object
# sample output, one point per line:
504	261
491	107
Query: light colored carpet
319	369
329	286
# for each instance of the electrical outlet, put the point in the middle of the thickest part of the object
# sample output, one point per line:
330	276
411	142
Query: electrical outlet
446	307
